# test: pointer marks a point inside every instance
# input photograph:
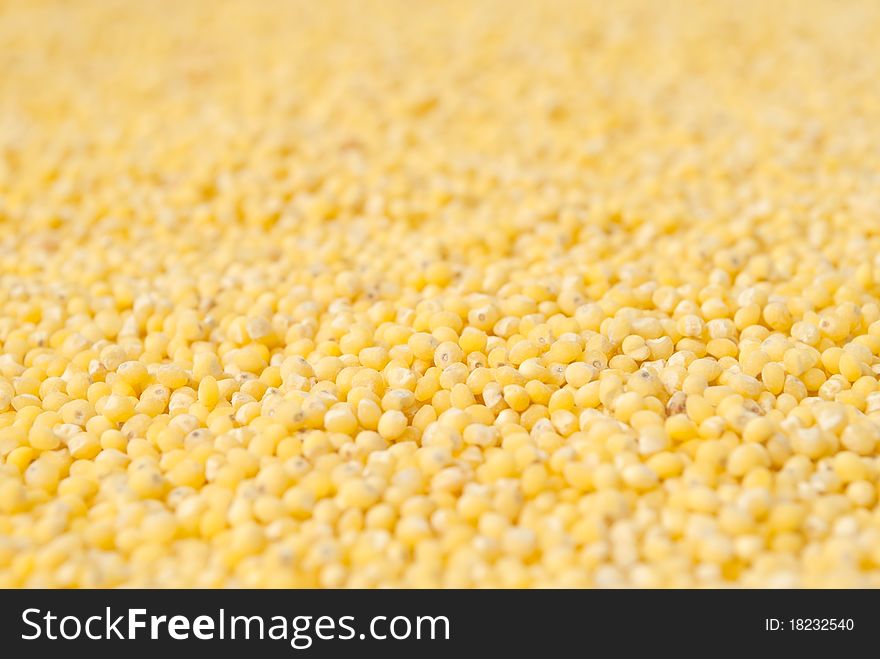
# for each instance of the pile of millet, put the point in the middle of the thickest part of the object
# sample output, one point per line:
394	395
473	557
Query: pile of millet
455	294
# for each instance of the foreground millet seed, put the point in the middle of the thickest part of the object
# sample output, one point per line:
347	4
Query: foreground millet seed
439	294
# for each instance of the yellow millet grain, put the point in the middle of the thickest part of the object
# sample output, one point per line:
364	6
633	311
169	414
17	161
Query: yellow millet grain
456	294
